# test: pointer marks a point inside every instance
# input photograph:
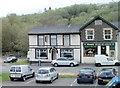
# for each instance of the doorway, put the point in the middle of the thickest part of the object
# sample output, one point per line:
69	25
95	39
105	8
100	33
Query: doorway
54	54
103	50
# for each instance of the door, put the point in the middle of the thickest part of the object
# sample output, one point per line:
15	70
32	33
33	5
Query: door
54	52
110	61
103	50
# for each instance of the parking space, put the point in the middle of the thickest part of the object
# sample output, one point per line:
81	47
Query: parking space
58	82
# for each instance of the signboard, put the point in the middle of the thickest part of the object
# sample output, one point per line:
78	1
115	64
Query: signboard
98	44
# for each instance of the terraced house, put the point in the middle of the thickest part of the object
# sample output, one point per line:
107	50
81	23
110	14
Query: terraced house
81	42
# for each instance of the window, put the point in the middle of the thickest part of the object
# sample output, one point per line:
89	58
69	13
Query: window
107	33
90	51
67	53
66	40
98	22
53	40
90	34
41	53
41	40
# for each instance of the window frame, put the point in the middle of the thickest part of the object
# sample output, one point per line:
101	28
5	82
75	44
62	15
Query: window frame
64	40
93	35
51	41
65	51
43	40
38	57
104	35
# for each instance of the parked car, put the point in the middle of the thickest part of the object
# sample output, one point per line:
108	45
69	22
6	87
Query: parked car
114	83
46	74
105	60
105	75
11	59
86	75
21	72
64	61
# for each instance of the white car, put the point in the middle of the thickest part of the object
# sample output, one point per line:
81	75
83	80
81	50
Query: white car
46	74
64	61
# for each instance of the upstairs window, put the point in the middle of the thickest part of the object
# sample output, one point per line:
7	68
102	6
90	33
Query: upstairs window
66	40
107	33
98	22
90	34
53	40
40	40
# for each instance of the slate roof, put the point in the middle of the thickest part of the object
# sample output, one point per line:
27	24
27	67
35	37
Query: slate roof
56	29
68	29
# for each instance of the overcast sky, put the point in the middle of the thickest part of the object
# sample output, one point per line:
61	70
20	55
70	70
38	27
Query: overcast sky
34	6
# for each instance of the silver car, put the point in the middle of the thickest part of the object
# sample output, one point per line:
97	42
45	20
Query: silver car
46	74
64	61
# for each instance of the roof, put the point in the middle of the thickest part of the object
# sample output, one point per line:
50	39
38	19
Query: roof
96	18
68	29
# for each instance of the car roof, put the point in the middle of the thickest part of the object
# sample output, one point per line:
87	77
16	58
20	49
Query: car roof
18	65
88	69
47	68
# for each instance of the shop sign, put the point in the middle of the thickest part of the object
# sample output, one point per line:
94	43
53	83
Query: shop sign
98	44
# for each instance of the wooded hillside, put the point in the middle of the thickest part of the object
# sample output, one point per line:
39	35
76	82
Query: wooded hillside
15	28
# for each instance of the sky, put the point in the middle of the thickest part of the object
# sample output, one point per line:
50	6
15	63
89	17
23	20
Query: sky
21	7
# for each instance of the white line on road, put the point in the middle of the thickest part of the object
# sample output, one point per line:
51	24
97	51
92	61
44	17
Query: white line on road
73	82
30	81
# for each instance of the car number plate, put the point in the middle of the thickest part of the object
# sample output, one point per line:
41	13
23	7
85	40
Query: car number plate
12	75
42	76
106	80
84	76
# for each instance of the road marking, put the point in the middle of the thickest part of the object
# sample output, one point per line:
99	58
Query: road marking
30	81
73	82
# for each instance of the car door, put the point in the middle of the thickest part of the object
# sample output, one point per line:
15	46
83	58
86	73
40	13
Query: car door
110	61
61	61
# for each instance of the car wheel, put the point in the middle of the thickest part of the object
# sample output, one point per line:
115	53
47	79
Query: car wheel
92	82
117	64
99	65
78	81
57	76
33	75
11	79
99	82
51	80
37	81
23	78
71	65
55	64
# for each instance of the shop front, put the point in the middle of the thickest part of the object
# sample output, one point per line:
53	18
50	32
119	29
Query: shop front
89	50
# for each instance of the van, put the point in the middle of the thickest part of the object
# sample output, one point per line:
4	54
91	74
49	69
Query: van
21	72
105	60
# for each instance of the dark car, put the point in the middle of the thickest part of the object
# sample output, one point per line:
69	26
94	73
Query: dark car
106	75
11	59
86	75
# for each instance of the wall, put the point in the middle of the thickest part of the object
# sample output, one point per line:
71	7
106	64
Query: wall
32	39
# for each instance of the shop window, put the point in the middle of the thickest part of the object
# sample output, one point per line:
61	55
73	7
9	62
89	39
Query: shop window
67	53
112	47
41	53
90	51
107	34
90	34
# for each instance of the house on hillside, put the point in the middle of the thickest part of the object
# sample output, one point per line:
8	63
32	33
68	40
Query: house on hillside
81	42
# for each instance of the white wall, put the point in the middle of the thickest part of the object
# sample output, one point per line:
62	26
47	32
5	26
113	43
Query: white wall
77	54
59	40
32	39
75	39
47	40
32	54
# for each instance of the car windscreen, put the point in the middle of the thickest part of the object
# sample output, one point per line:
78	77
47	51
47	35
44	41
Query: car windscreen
43	72
15	69
85	72
106	74
9	58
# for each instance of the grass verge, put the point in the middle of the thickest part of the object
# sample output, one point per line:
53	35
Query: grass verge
21	63
67	76
4	77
